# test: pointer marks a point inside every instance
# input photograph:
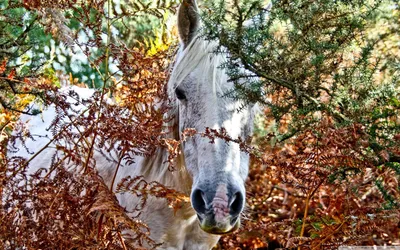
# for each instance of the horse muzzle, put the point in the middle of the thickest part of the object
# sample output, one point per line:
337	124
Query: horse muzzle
210	225
218	213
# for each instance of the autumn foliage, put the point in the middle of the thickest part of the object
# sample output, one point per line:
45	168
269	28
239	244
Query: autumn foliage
56	208
327	185
60	209
320	191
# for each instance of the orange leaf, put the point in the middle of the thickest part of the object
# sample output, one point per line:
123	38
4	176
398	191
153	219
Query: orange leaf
11	75
3	66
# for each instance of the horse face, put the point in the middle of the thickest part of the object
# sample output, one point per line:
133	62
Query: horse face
218	167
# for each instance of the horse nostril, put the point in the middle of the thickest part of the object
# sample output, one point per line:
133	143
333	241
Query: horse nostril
199	201
236	204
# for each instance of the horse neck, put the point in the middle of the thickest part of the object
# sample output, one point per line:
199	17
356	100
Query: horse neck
156	167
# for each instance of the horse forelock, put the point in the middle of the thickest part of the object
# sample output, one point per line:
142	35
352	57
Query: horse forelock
200	54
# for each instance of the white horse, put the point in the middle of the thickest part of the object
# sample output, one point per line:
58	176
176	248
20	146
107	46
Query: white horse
213	174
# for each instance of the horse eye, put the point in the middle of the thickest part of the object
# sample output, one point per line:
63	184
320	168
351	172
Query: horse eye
180	94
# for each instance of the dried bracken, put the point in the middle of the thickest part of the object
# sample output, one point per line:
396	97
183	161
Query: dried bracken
321	190
318	186
140	188
63	211
67	209
67	205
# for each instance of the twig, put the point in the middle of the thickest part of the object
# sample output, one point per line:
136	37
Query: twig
120	237
105	80
309	197
6	106
327	237
116	169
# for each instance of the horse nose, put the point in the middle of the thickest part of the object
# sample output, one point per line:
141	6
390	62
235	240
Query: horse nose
199	201
233	203
218	207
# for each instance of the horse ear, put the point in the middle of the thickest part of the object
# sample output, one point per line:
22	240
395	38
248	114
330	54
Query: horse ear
188	21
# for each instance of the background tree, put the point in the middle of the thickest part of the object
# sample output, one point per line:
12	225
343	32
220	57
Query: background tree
329	78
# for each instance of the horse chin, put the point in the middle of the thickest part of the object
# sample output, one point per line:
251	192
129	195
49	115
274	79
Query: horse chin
219	230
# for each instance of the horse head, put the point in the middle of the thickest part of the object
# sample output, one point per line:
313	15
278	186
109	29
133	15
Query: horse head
218	167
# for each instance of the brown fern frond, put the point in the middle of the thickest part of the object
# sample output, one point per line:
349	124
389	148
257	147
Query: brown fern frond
139	187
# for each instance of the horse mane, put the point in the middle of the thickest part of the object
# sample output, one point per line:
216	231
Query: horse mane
199	54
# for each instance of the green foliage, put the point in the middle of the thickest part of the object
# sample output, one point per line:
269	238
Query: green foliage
21	38
75	42
134	23
316	56
71	38
314	59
